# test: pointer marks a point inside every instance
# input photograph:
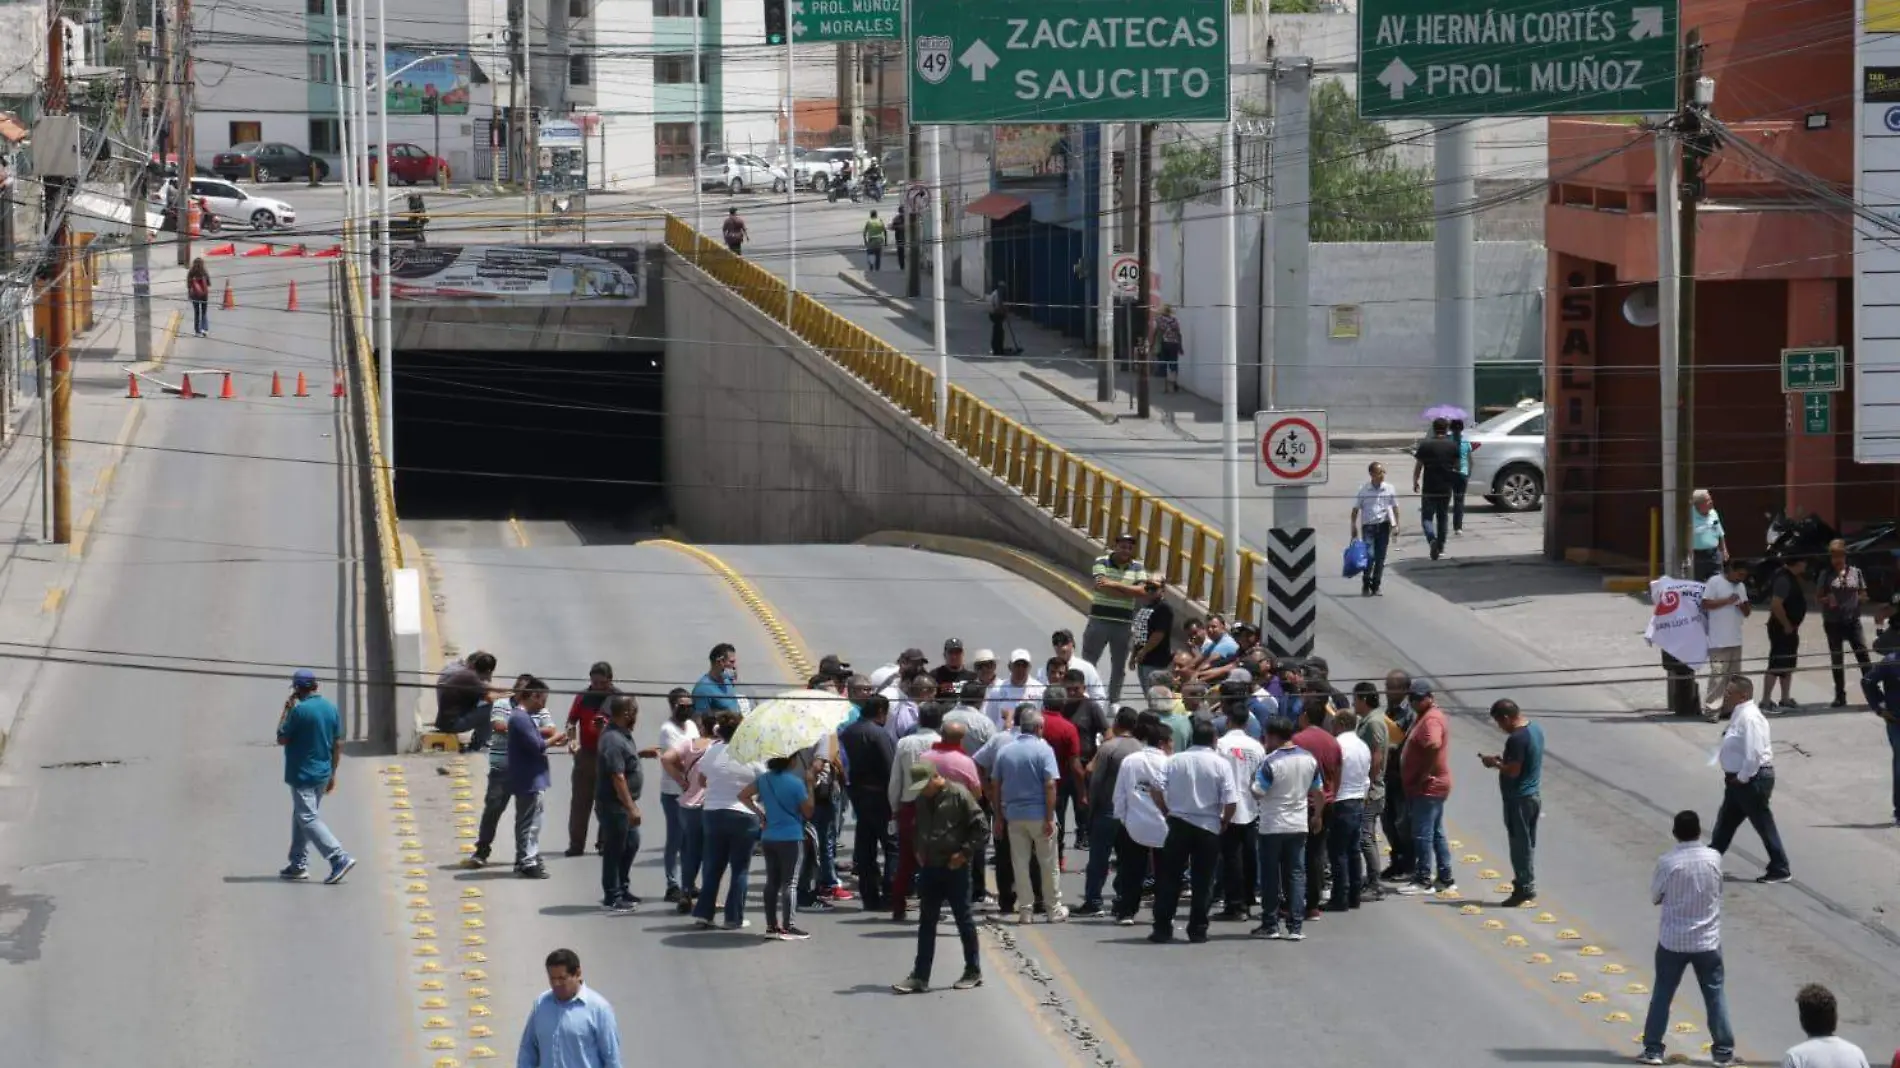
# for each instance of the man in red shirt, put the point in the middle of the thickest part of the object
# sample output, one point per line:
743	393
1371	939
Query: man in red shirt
1425	769
589	711
1062	737
1317	740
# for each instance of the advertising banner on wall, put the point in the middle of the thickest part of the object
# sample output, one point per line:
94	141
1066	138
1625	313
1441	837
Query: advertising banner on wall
520	274
443	79
1877	243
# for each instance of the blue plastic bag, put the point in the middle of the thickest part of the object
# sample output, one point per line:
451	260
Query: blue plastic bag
1358	557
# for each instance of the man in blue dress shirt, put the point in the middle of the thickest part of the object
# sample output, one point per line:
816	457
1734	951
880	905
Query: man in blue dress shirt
570	1025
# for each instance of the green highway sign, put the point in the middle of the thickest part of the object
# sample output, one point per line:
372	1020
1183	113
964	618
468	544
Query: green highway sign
1451	59
1817	413
984	61
1811	370
821	21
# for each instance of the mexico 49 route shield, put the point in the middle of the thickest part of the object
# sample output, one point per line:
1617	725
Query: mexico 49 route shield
986	61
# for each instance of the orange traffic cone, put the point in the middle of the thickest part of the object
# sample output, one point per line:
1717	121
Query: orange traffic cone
184	387
294	250
132	386
303	386
291	305
222	250
227	391
329	253
337	390
261	250
230	298
276	384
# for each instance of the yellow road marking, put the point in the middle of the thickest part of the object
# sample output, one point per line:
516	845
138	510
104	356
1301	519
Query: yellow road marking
171	340
77	548
520	533
54	595
1097	1019
791	647
104	482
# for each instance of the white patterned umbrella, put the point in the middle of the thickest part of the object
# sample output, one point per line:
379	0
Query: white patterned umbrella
783	725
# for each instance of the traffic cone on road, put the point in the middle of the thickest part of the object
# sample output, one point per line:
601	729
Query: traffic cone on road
291	304
303	386
230	298
184	386
261	250
337	390
222	250
132	386
294	250
276	384
227	391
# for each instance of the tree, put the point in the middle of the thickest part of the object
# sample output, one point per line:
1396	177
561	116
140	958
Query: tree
1359	191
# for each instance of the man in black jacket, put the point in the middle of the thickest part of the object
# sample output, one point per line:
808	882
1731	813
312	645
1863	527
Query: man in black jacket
869	752
950	830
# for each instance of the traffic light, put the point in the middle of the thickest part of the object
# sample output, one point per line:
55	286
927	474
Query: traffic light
775	22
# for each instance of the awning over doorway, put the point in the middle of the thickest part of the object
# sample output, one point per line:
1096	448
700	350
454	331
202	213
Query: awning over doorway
996	206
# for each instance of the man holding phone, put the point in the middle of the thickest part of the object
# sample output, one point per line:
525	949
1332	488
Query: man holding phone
1520	769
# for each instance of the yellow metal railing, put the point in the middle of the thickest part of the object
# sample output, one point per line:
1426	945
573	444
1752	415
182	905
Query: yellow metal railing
371	402
1081	494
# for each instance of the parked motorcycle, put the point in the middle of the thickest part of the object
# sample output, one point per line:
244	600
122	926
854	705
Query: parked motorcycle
1875	549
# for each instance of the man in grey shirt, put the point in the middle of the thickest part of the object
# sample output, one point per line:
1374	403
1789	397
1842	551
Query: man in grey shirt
617	801
1104	828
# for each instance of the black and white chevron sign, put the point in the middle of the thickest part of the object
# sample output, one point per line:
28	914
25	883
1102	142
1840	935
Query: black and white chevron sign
1292	591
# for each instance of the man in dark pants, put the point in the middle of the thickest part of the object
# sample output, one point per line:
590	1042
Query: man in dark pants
950	828
462	698
868	753
617	791
1395	819
1199	803
1520	769
1748	781
999	312
1435	477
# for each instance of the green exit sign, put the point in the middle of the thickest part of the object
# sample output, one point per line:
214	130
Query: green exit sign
1816	370
1817	414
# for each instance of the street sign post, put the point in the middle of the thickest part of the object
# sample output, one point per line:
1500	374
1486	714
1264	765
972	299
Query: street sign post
984	62
1817	414
1811	370
1289	448
1126	274
1451	59
916	198
824	21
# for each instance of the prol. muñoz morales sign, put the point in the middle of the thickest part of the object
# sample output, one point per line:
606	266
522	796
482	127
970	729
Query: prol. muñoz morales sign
821	21
519	274
1468	58
984	61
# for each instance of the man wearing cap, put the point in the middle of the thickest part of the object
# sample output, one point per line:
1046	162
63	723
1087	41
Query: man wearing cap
311	734
1121	583
836	670
950	835
1000	702
891	679
1425	764
1062	647
951	674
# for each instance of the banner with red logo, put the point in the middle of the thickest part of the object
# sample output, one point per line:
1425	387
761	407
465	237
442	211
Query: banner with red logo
1678	626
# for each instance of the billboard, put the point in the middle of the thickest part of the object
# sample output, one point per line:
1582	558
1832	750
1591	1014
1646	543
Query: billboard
1877	240
519	274
442	78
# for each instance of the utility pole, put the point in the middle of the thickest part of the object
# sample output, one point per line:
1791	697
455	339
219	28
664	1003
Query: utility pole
854	99
187	135
1694	95
1668	334
1454	259
914	266
518	132
1107	230
141	245
1292	562
1144	251
58	352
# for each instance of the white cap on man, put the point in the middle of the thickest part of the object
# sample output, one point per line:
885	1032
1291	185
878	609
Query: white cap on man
1021	656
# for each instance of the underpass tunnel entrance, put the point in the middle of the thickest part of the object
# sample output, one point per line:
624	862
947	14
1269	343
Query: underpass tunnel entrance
535	435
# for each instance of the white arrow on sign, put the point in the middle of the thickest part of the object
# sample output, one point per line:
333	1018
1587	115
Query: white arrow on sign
797	11
979	58
1397	77
1645	22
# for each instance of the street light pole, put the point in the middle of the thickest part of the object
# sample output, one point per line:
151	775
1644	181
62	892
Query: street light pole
386	353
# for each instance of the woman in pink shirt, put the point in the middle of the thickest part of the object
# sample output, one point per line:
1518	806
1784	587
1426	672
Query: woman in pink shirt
682	763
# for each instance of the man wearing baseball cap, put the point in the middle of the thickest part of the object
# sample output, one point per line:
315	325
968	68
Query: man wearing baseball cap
951	674
311	733
1012	690
1121	583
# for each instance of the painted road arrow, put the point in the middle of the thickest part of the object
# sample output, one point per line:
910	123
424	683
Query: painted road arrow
1397	77
979	58
1645	22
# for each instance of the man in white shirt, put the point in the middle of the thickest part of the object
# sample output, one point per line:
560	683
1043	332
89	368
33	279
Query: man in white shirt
1062	646
1144	828
1239	840
1290	792
1724	606
1820	1016
680	728
1348	813
1198	799
1688	886
1375	518
1748	781
1019	688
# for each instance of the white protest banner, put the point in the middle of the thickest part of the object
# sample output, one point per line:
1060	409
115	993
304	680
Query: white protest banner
1678	626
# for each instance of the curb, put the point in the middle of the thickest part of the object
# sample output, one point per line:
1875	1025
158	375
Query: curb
1015	561
1061	394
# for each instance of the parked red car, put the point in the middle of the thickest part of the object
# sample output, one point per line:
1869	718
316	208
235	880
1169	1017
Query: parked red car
409	164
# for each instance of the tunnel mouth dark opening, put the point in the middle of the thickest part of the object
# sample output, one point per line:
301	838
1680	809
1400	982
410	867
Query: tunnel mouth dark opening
574	436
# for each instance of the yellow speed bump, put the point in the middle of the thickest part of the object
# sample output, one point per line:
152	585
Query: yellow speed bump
474	975
471	906
1545	917
416	888
435	1003
400	791
480	1053
392	769
425	932
464	806
430	986
465	847
1635	988
1504	888
1590	998
1569	935
412	858
1516	941
1685	1027
1472	858
427	949
465	821
1591	951
1488	873
480	1031
422	917
1614	969
1537	958
475	956
471	891
480	1011
1494	925
461	795
438	1023
1618	1016
1470	910
1564	977
474	940
399	804
473	923
478	992
418	902
430	968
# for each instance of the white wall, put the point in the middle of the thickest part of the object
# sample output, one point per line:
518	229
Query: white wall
22	48
754	79
623	91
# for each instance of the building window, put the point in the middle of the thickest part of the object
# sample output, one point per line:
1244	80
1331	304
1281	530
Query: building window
673	147
579	9
577	70
322	68
677	9
678	69
324	137
244	133
315	7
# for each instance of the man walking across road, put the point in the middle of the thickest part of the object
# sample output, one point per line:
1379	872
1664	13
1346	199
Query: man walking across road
1426	765
1748	781
1375	518
586	718
873	242
1520	769
311	734
570	1026
950	833
734	231
617	795
1688	886
1725	605
1023	789
1121	582
1435	476
528	778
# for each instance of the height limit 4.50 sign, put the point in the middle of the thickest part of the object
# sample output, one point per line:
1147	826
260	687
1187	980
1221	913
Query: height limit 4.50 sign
1289	448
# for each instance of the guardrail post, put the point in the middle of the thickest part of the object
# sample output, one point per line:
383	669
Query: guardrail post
1217	588
1249	600
1197	555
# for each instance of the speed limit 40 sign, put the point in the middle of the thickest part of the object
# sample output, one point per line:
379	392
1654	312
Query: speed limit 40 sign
1289	448
1126	274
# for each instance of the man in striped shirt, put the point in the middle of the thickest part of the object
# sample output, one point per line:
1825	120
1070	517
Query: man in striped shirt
1121	581
1688	886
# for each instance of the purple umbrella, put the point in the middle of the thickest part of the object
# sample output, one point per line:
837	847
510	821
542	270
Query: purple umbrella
1447	412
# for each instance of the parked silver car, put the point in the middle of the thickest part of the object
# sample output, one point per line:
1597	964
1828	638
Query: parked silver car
1507	458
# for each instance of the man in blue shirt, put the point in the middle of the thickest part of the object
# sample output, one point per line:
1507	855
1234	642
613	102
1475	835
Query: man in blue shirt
716	691
1023	791
1520	769
528	777
570	1026
311	733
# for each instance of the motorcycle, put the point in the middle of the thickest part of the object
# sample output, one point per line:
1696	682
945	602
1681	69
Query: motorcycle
873	189
842	186
1875	549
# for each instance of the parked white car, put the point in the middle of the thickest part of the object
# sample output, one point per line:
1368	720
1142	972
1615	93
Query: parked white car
737	174
231	202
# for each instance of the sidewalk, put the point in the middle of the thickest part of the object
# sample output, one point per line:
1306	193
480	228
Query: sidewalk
37	575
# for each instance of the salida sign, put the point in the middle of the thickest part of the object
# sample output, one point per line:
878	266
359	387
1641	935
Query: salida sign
1573	416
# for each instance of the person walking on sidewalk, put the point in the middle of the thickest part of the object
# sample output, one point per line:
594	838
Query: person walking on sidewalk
1375	519
1725	605
1688	886
1435	476
1165	342
873	242
586	718
1707	540
734	231
900	225
528	778
950	833
617	795
999	318
1787	607
1121	582
311	734
1520	769
1842	588
198	288
1748	781
1462	480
